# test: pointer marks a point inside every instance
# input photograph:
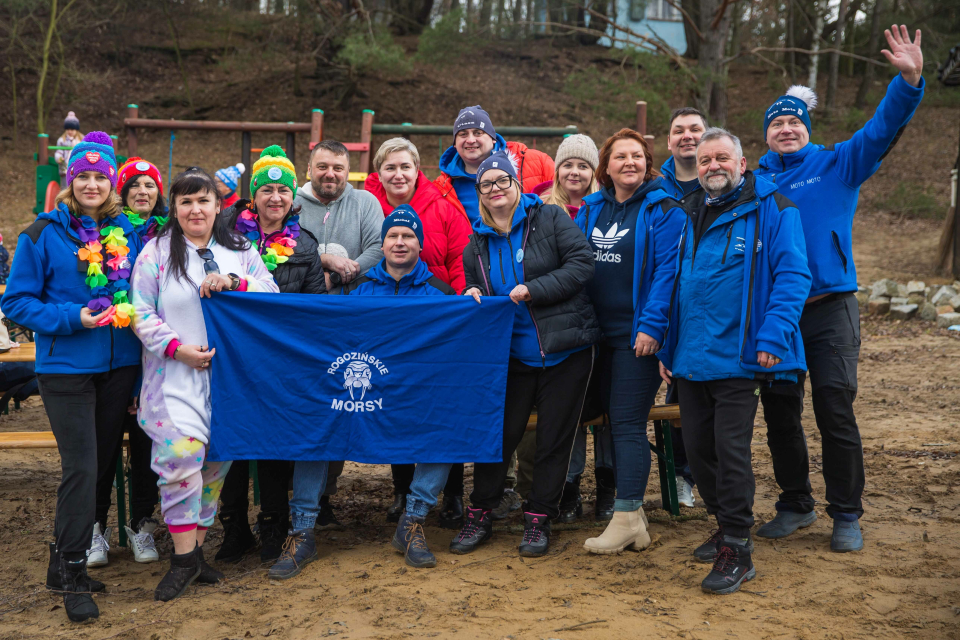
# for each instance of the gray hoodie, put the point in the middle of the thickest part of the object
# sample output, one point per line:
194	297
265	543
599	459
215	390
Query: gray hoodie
348	227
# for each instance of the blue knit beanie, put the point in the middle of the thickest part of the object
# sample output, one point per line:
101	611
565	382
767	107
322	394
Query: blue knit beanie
231	175
497	160
798	101
403	216
474	118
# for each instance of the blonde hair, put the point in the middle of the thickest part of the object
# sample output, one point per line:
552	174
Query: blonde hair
559	196
392	146
111	207
488	218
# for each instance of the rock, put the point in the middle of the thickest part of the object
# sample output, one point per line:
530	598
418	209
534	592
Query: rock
943	295
955	302
896	302
862	298
885	287
928	312
945	308
902	291
945	320
956	285
916	298
879	306
903	311
915	286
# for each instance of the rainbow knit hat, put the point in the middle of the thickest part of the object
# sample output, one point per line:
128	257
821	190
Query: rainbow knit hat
93	153
273	167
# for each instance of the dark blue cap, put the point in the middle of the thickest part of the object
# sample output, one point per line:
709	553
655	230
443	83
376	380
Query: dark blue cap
403	216
474	118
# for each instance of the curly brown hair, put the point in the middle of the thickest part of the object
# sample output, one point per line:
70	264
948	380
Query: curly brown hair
607	150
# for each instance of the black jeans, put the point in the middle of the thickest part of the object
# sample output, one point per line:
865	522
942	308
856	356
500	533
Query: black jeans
717	432
274	478
680	464
558	393
831	338
86	413
403	476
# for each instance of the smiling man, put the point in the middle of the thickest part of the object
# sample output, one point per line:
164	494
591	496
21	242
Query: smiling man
680	177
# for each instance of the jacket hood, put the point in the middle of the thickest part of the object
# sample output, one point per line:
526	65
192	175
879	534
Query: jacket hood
773	161
420	274
527	200
669	169
425	195
610	194
452	165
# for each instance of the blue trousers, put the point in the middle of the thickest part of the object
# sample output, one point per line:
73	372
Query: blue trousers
309	483
428	480
602	451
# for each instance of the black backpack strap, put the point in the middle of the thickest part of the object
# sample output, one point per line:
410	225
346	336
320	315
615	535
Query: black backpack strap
437	283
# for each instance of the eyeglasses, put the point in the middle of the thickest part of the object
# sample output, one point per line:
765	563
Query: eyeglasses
503	183
209	265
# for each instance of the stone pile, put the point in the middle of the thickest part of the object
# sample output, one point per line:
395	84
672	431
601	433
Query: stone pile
938	303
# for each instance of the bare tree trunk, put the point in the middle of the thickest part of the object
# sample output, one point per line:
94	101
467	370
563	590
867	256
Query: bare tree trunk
815	46
486	8
692	7
175	35
715	27
835	57
861	100
791	41
51	26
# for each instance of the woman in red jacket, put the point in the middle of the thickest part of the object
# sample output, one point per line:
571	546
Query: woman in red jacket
398	180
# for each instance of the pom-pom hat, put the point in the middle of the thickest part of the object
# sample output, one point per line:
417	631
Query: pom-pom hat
138	167
93	153
799	101
273	167
71	122
230	176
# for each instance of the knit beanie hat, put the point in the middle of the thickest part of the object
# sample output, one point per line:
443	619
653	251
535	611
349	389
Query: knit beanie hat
71	122
497	160
474	118
273	167
231	175
581	147
137	167
799	101
93	153
403	216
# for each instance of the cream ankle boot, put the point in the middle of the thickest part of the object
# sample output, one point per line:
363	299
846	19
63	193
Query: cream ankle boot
627	529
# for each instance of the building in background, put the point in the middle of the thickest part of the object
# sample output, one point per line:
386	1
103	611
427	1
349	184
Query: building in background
651	18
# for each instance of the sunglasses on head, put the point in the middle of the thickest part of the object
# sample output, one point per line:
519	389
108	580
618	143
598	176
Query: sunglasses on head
209	265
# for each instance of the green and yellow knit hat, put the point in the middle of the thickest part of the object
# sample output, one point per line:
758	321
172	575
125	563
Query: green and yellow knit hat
273	167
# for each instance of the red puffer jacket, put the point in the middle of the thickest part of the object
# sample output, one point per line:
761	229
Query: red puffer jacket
445	230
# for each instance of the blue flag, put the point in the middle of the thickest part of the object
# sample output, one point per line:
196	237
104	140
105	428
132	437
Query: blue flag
373	379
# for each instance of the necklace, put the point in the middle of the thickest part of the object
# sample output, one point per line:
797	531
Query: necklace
275	248
146	229
108	290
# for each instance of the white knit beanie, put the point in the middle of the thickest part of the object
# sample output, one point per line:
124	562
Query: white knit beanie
578	146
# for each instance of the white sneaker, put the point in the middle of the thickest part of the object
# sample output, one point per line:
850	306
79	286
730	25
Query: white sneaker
97	554
684	493
144	548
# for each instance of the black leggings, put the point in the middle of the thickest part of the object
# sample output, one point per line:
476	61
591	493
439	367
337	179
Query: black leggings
274	479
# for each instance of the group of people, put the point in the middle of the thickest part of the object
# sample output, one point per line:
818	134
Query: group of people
729	284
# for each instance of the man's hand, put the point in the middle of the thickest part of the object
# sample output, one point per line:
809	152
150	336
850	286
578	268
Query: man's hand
520	294
906	56
767	360
645	345
347	268
666	374
473	291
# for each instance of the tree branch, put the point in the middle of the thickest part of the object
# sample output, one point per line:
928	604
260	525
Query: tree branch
717	18
756	50
686	16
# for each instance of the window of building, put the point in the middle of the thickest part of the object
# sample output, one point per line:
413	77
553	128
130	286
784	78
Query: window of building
661	10
638	10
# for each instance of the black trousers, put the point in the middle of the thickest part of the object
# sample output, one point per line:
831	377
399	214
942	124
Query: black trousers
143	479
274	478
403	476
831	336
558	394
717	432
86	413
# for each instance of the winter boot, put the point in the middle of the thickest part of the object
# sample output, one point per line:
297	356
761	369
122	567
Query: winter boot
451	512
273	533
536	535
732	567
53	574
571	503
707	552
509	503
785	523
398	507
477	529
299	550
626	530
846	536
410	541
327	519
606	494
184	569
77	601
208	575
238	540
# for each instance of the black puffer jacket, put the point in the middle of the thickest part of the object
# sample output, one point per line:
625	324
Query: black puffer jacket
302	272
557	264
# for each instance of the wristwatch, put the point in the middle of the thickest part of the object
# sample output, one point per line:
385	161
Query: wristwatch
234	281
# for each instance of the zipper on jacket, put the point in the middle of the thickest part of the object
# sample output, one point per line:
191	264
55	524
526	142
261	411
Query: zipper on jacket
52	345
396	289
484	274
111	347
503	277
523	247
836	245
723	260
753	269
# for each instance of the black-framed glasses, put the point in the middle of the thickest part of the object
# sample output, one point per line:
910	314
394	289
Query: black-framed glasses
503	183
209	264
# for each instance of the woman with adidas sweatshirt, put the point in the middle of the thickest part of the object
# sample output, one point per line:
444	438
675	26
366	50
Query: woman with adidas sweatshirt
634	229
196	250
69	284
535	254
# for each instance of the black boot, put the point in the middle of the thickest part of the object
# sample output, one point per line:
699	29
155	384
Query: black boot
451	512
273	533
606	494
327	519
238	540
477	529
184	569
536	535
396	510
53	574
571	503
732	567
77	601
208	575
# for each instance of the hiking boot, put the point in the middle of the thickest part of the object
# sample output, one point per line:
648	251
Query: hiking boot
97	555
846	536
184	569
238	540
536	535
785	523
273	533
571	503
627	529
398	507
142	542
451	512
477	529
53	574
410	541
606	494
326	519
509	503
77	601
299	550
208	575
684	493
732	567
707	552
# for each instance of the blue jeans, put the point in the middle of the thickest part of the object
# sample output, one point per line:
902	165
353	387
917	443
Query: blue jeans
602	451
428	480
630	385
309	482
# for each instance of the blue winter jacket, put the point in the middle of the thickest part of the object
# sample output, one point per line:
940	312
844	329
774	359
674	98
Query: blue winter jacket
754	253
824	182
419	282
670	184
47	289
655	256
464	183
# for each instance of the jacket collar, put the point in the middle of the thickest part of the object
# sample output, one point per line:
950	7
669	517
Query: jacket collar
452	165
527	200
773	161
419	275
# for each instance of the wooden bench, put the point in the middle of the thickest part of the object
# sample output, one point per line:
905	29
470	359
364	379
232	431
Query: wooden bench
661	415
26	352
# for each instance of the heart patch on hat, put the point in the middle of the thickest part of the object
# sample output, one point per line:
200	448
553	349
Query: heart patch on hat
93	157
274	173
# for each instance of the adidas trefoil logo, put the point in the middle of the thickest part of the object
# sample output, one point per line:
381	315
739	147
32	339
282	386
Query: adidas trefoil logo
611	238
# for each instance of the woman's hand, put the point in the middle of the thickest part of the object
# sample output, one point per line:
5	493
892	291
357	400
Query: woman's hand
91	321
195	356
767	360
645	345
215	282
666	374
132	409
520	294
473	291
